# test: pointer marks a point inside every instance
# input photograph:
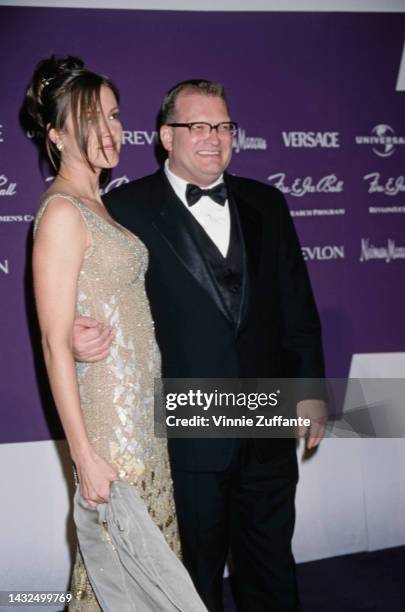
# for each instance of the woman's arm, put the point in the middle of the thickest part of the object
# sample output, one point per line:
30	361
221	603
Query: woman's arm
59	249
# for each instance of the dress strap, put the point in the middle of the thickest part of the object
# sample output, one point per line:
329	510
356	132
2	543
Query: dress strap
75	202
66	196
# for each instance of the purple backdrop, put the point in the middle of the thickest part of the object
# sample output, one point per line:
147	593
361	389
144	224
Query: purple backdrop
314	95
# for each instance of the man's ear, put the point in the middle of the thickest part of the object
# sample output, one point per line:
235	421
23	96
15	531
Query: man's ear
166	137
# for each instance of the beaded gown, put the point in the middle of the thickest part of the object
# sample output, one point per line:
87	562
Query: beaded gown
117	393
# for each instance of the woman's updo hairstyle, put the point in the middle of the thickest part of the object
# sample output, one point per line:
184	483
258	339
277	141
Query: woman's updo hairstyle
60	85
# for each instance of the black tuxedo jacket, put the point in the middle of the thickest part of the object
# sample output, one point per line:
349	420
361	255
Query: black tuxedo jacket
278	332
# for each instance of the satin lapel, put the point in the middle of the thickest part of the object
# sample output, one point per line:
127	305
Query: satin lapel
172	221
249	220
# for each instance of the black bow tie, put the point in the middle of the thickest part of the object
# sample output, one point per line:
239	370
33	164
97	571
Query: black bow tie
217	193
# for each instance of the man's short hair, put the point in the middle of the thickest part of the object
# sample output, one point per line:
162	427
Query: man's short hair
200	86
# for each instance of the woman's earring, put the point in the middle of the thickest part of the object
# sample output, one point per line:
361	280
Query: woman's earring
60	145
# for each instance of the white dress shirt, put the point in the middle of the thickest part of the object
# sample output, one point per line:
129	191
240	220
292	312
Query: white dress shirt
213	218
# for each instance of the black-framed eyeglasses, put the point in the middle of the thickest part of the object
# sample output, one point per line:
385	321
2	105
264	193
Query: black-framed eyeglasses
204	129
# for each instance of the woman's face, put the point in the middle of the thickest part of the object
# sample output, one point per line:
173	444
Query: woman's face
101	157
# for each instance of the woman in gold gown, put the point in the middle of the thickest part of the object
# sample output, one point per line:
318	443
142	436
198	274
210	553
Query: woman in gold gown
85	264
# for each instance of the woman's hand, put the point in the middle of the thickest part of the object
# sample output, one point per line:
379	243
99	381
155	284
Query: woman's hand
95	477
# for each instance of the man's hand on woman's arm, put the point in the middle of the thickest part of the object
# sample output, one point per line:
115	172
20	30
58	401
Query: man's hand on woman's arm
91	340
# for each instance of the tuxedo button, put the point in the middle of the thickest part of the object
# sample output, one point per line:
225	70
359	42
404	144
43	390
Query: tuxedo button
235	288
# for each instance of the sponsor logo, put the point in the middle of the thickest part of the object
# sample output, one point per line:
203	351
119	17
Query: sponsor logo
301	186
382	139
387	253
318	212
322	253
311	140
117	182
1	133
391	187
7	189
386	210
139	137
16	218
241	142
4	266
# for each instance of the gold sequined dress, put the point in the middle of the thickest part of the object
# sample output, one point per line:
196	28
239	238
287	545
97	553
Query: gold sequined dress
117	393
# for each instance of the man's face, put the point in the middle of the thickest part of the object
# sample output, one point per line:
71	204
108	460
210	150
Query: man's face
196	159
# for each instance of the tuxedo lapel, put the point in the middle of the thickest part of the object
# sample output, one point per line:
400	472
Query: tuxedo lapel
172	221
249	220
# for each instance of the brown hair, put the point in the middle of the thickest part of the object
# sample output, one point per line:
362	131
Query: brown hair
201	86
57	87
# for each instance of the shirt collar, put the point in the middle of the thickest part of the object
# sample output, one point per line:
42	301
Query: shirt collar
179	185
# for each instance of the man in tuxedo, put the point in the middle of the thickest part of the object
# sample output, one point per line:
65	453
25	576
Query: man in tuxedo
231	298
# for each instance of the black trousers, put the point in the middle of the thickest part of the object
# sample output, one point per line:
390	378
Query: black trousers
247	510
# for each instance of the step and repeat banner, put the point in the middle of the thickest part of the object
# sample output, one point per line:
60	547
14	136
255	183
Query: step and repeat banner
320	106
